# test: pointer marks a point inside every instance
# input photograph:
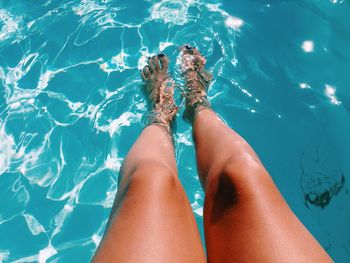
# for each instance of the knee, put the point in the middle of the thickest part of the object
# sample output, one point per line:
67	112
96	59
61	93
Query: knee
234	168
228	183
153	177
242	166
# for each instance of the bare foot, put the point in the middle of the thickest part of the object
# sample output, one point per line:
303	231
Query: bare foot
159	88
197	81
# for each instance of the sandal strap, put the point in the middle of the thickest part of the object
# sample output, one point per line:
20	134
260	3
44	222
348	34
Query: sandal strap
195	94
164	109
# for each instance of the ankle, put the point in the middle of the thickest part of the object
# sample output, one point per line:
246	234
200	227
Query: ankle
160	117
193	108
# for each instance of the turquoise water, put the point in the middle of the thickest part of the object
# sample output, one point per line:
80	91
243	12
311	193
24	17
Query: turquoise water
71	108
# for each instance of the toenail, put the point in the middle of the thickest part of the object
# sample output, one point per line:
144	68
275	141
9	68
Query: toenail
161	55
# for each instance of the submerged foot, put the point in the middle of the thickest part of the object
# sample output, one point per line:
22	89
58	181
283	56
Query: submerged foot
159	88
197	81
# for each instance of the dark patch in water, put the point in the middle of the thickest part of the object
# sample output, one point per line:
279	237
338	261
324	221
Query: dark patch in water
321	180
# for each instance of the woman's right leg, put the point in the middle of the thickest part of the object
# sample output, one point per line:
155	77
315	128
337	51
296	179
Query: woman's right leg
246	218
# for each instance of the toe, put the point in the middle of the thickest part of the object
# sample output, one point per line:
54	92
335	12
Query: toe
143	76
187	49
163	59
151	64
197	52
146	72
156	62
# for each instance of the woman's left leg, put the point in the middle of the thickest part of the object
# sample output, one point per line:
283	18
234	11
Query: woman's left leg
152	220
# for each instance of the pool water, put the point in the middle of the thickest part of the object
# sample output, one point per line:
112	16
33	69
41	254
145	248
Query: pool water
71	108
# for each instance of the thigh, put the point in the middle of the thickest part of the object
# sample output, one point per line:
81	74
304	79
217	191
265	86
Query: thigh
247	220
152	221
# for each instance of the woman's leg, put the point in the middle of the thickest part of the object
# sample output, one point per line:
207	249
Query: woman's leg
152	220
246	218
